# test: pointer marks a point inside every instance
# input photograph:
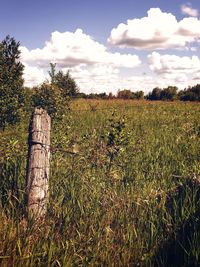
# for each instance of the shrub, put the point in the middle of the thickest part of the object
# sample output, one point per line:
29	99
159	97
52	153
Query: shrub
49	97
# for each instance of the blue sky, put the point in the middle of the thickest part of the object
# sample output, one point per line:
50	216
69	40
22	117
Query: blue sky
102	54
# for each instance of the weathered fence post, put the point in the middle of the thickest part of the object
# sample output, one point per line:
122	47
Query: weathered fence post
37	177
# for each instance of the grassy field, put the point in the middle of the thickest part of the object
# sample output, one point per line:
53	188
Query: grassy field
128	196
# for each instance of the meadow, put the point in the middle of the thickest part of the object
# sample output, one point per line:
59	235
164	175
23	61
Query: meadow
124	188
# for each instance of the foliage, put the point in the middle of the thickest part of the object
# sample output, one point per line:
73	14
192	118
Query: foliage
49	97
125	94
52	73
138	95
114	140
190	94
11	82
155	94
121	94
66	83
63	81
128	94
169	93
93	95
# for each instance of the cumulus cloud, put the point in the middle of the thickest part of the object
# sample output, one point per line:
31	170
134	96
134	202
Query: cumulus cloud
175	70
33	76
76	51
97	69
70	49
108	79
188	10
99	78
159	30
172	63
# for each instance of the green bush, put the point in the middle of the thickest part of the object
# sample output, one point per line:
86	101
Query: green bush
49	97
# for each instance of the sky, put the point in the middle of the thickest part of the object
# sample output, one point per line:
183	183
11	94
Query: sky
107	45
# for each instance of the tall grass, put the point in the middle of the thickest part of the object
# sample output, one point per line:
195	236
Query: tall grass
111	203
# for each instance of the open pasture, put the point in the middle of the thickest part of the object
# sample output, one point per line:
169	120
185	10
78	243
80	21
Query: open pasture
124	188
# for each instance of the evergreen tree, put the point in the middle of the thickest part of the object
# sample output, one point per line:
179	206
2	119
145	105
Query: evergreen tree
11	82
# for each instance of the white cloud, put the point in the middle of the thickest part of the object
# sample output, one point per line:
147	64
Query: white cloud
196	77
33	76
175	70
107	79
96	69
71	49
173	64
96	78
159	30
98	75
86	58
188	10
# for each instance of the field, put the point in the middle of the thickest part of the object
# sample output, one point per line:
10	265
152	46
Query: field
128	195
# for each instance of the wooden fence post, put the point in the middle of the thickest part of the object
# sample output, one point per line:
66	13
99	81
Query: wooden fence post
37	176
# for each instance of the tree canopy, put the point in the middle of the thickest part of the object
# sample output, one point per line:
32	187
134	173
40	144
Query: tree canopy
169	93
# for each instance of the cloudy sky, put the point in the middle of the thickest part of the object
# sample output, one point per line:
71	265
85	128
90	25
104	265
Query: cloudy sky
108	44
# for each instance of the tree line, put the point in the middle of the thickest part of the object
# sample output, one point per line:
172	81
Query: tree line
170	93
54	94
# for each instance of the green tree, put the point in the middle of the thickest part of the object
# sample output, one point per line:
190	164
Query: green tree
52	73
190	94
169	93
48	97
11	82
64	81
155	94
124	94
138	95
